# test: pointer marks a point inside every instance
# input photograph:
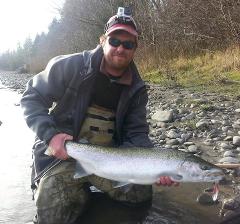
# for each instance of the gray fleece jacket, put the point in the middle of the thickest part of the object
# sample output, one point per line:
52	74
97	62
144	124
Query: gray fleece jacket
56	101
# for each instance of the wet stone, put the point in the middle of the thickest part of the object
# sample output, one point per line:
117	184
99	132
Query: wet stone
172	142
172	134
163	116
231	203
188	143
225	128
205	199
161	124
215	121
186	136
226	123
230	132
236	126
229	154
228	138
208	142
180	140
202	125
193	148
225	146
183	150
236	140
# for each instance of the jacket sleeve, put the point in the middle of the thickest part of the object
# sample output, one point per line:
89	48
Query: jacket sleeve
135	126
42	90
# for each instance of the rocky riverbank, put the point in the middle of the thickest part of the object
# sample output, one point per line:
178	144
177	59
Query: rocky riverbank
14	80
204	124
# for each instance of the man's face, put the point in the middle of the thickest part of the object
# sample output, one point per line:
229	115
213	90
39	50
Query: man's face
118	58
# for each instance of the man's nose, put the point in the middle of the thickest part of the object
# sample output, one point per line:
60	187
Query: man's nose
120	48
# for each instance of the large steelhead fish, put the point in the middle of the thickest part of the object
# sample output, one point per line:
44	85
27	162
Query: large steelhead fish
141	165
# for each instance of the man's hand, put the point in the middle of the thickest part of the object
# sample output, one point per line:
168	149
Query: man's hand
56	145
166	181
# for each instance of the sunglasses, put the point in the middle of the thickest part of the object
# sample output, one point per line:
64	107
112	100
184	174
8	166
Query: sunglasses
129	45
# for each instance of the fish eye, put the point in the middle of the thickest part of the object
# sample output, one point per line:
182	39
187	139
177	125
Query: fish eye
204	167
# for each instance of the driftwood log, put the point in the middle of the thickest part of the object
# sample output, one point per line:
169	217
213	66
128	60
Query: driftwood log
228	165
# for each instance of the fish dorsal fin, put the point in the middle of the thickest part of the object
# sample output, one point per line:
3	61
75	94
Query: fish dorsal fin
80	171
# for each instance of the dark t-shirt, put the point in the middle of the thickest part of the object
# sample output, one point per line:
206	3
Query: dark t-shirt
107	91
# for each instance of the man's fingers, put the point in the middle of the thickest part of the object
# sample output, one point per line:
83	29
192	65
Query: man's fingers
68	137
61	154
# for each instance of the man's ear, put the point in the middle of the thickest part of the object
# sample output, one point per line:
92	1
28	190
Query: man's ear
102	40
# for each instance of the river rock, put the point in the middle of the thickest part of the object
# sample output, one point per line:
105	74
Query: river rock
161	124
236	126
225	146
205	199
216	122
226	122
209	142
229	160
231	203
229	153
179	100
202	125
193	148
190	116
172	142
228	138
164	116
172	134
237	110
186	136
225	128
236	140
188	143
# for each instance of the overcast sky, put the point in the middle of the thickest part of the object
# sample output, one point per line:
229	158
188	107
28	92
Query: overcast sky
20	19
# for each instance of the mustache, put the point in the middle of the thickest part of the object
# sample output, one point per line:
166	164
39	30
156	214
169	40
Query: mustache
119	54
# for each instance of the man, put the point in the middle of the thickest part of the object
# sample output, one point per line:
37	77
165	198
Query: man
94	97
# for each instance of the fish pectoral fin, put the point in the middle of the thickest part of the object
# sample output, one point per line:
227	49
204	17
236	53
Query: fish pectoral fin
176	177
173	176
80	171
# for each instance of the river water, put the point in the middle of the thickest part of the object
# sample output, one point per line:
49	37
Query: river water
16	139
171	205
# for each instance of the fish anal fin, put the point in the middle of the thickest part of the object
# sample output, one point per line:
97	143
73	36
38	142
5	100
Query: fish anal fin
123	185
117	184
80	171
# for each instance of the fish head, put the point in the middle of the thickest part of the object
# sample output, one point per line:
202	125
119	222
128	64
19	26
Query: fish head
195	169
